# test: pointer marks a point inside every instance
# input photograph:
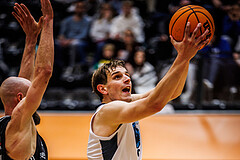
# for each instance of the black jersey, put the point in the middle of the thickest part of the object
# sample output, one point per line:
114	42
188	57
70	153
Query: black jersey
41	148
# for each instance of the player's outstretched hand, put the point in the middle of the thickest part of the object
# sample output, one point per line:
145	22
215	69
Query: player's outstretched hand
27	22
47	10
190	44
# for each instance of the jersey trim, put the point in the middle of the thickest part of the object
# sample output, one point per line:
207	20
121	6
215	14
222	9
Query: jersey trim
109	147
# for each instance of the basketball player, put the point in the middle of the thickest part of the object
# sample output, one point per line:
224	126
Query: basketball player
22	95
114	129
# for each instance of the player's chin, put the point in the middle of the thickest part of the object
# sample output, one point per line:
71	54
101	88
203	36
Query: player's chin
127	97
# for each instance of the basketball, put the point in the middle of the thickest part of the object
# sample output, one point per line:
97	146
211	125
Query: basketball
194	14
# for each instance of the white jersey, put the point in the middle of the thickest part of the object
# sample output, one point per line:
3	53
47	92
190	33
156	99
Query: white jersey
124	143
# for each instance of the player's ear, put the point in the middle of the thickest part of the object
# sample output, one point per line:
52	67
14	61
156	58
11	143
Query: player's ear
19	96
102	89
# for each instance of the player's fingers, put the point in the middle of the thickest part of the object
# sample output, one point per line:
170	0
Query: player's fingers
43	3
42	6
187	30
172	40
17	18
203	43
202	37
16	8
40	22
196	30
19	10
25	9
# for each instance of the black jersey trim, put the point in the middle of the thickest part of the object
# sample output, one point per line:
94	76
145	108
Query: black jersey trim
109	147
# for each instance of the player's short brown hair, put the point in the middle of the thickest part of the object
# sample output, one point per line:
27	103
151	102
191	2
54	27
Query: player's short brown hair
100	75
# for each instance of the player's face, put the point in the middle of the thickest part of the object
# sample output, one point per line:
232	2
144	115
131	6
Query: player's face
119	85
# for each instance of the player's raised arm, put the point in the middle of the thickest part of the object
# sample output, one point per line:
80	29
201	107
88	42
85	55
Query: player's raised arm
44	60
42	70
21	134
31	29
168	88
186	52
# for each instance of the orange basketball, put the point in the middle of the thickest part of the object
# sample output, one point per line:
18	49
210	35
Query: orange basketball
194	14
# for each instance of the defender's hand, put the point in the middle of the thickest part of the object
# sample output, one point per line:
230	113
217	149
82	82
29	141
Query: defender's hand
27	22
47	10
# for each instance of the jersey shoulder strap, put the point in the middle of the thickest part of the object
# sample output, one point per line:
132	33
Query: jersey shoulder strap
2	129
2	120
4	117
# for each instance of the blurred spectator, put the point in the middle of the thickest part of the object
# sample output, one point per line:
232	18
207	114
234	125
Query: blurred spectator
191	82
231	25
107	55
160	49
100	28
234	15
218	62
92	7
176	4
141	7
128	19
127	46
236	54
116	5
73	37
143	74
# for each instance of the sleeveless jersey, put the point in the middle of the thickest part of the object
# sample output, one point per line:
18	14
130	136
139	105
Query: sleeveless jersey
41	148
124	143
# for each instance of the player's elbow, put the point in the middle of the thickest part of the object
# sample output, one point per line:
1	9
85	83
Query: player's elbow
177	93
158	107
45	71
175	96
